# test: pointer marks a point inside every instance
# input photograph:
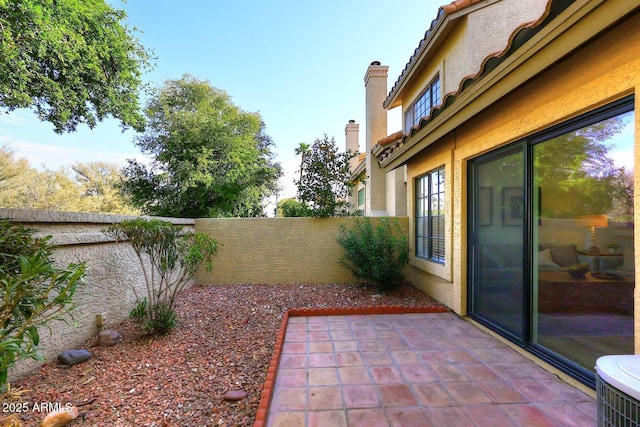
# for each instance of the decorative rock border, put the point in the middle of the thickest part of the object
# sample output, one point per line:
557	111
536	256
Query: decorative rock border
269	384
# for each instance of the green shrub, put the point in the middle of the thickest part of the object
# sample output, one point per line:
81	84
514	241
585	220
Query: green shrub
375	254
32	293
173	255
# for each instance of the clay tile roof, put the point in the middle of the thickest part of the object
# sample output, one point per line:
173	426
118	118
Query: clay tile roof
521	34
390	138
457	5
443	11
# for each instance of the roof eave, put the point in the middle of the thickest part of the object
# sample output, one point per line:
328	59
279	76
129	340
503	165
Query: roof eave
495	84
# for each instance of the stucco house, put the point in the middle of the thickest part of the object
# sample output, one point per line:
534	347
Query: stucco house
516	164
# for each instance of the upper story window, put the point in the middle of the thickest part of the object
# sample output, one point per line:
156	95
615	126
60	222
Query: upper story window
423	105
430	216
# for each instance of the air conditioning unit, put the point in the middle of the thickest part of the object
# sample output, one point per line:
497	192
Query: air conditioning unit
618	391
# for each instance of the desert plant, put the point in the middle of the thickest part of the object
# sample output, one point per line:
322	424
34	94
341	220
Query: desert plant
32	293
376	254
169	257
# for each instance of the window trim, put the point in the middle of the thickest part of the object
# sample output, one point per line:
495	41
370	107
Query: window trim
433	90
421	199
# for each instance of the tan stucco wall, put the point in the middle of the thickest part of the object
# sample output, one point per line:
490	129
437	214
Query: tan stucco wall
113	276
463	52
605	70
277	250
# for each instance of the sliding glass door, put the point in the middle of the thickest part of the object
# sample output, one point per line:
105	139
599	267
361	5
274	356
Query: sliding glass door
498	240
550	249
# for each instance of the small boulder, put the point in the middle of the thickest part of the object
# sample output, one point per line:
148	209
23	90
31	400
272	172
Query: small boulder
234	395
108	338
60	418
73	357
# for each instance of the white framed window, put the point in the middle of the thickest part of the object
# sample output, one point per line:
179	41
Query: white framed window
430	216
428	99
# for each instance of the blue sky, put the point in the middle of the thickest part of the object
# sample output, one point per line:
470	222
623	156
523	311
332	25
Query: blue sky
300	64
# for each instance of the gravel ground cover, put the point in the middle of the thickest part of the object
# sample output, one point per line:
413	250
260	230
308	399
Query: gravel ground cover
224	341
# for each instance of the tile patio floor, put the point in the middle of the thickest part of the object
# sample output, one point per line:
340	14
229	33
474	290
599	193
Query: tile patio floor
413	370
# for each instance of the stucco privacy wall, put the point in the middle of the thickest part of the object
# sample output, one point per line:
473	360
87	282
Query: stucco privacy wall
113	273
277	250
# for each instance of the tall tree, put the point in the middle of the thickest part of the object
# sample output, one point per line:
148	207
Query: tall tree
210	158
73	61
325	183
91	187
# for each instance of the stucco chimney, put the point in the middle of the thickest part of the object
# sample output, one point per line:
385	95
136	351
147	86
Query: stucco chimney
375	83
351	134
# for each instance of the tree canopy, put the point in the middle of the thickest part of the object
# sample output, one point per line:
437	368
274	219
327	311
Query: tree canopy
73	61
210	158
325	183
86	187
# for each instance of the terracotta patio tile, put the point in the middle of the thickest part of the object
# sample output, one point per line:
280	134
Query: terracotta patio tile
434	356
588	408
528	415
292	361
295	336
487	415
338	325
350	345
318	326
353	375
327	418
318	336
371	345
296	327
291	378
420	343
289	399
466	393
367	417
382	325
388	334
479	372
404	417
285	419
317	319
534	390
386	374
294	347
349	358
567	414
514	371
489	355
365	334
565	391
417	373
461	356
448	416
360	396
341	335
396	344
324	398
406	357
360	324
320	347
397	395
441	343
501	392
323	376
449	373
433	394
320	360
375	358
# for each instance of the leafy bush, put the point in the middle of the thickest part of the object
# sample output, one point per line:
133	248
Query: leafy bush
377	254
32	293
173	256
